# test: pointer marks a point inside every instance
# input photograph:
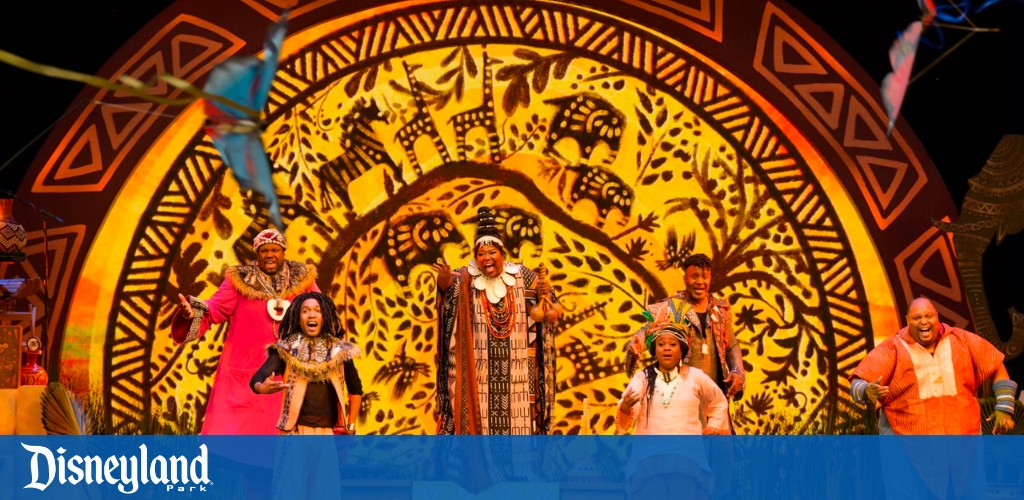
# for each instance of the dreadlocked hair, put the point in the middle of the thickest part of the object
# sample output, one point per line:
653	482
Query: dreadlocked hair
698	259
652	375
291	323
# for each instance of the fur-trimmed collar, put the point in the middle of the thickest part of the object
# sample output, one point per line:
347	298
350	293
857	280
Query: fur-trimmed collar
314	359
293	279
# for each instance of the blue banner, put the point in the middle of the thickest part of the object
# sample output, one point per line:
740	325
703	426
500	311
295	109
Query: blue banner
507	468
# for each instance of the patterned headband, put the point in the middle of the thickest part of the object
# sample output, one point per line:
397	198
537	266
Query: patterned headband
489	240
269	236
673	330
660	322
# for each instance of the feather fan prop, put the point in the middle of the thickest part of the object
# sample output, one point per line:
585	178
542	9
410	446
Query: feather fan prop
63	413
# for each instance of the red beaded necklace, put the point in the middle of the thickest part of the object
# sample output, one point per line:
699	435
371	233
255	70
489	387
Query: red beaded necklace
500	319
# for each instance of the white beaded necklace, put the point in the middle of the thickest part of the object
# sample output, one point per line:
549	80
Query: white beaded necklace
667	389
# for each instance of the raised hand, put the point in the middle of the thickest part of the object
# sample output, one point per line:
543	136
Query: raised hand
270	386
445	278
629	399
186	308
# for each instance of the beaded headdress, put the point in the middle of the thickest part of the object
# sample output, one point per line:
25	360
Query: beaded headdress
269	236
487	229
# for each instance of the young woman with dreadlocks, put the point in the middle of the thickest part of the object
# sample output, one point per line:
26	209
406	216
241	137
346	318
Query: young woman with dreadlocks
315	362
666	398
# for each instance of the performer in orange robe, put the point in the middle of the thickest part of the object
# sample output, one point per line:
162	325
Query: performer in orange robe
925	380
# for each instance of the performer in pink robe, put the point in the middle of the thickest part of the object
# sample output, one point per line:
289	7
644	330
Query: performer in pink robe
254	298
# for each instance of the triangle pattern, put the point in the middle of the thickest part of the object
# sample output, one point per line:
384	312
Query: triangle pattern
829	108
701	13
807	65
951	285
884	176
189	51
74	165
147	70
860	120
114	120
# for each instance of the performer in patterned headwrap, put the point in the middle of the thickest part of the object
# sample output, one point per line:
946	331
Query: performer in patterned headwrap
668	398
254	298
708	323
495	366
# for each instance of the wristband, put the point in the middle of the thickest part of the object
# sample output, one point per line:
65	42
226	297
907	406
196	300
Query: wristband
858	389
1005	390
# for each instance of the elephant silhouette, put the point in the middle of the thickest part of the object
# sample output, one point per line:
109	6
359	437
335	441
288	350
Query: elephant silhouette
993	207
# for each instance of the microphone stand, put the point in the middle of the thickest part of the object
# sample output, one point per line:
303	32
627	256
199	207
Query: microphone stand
44	215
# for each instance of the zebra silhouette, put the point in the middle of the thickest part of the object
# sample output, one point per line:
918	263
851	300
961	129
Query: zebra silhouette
363	151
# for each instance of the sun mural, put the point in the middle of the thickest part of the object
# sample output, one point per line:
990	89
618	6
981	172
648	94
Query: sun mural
608	161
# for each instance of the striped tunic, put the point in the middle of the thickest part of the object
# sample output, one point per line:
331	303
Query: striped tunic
932	393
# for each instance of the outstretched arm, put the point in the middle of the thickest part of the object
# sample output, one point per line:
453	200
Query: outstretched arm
1005	390
262	382
191	322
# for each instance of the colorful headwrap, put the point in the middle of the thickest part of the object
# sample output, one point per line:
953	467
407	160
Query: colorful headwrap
269	236
487	232
661	322
673	330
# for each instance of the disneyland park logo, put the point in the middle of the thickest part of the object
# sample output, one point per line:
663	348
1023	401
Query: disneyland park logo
177	473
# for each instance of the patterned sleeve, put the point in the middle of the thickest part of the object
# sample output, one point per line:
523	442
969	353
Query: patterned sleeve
448	301
529	276
218	309
726	312
986	357
880	363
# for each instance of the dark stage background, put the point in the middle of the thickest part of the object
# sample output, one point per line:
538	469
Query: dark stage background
959	110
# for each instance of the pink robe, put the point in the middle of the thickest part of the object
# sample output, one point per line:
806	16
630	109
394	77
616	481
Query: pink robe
233	408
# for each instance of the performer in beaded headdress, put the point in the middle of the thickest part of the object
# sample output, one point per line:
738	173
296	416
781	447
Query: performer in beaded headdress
496	366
